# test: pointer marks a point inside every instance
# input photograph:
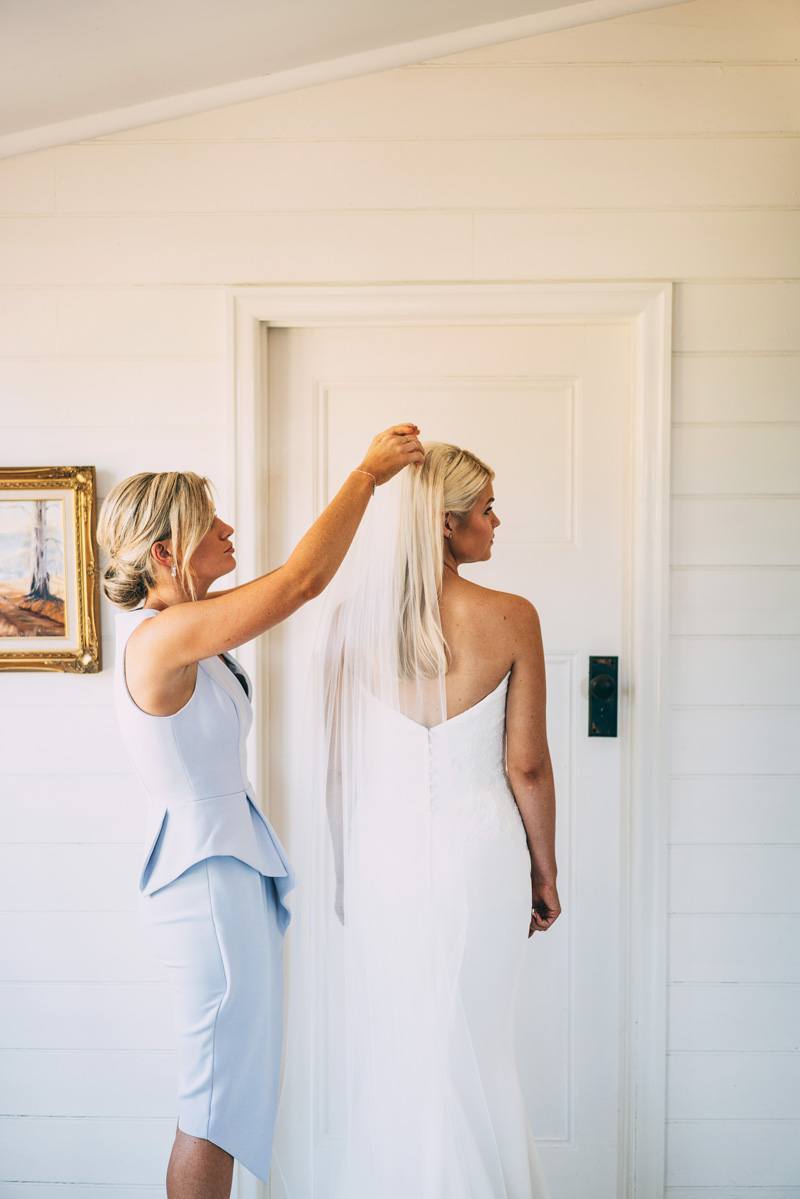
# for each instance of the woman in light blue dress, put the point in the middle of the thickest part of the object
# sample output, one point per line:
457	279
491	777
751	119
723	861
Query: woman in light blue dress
213	884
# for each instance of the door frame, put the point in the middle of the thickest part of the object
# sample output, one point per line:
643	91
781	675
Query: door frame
647	308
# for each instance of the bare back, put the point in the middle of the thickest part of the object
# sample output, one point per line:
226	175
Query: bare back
489	634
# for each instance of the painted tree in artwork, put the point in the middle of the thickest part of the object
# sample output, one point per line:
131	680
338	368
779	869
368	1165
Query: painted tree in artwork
40	579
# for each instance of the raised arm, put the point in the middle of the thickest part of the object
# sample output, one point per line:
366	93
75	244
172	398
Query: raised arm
530	770
186	632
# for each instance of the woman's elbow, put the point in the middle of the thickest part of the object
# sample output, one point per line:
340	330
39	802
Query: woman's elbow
305	586
311	586
530	772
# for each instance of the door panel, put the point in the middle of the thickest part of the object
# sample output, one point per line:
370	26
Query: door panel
548	408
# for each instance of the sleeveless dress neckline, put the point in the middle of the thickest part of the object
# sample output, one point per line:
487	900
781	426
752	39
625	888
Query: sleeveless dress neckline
236	670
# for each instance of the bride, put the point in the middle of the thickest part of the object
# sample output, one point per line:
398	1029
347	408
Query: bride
435	770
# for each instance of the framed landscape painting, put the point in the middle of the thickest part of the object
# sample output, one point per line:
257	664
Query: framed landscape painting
49	600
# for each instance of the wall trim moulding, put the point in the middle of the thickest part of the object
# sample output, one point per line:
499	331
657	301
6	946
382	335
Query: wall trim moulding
382	58
647	308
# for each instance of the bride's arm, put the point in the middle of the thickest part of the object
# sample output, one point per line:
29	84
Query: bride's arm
530	770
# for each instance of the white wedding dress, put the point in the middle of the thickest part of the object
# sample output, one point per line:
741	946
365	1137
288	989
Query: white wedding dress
436	917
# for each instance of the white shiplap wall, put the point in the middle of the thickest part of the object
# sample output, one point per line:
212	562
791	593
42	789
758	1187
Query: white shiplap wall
661	145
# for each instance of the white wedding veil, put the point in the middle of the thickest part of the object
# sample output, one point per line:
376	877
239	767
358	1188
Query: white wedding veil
375	767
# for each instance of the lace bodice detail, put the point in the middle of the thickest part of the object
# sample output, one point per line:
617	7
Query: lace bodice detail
455	769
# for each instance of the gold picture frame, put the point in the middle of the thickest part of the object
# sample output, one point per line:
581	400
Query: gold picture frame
49	592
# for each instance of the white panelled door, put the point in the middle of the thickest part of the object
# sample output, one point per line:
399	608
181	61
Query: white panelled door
548	407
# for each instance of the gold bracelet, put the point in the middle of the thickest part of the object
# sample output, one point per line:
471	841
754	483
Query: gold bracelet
369	474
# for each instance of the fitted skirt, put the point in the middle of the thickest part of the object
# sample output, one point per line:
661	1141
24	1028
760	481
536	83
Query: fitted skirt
216	931
436	935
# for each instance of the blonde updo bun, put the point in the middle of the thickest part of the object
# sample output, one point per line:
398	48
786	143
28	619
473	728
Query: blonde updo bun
124	585
175	506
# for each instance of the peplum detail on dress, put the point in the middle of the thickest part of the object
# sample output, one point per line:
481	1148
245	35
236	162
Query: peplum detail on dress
193	767
186	833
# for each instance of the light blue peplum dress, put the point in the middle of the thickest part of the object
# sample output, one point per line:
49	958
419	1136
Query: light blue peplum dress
212	896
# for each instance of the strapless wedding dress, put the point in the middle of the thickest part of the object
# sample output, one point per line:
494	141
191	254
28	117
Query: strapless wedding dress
437	911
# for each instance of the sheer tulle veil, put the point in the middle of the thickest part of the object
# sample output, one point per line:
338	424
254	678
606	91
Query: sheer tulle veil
376	689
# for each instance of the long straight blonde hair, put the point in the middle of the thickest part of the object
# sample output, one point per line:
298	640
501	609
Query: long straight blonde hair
450	479
172	505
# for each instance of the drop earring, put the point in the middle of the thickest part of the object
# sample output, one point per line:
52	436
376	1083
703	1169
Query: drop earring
173	570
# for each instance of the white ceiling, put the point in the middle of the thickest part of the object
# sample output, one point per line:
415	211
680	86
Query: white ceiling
74	68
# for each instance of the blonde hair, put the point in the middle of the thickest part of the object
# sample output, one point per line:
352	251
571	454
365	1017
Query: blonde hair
450	479
138	512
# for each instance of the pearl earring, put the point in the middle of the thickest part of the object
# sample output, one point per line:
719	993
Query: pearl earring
173	570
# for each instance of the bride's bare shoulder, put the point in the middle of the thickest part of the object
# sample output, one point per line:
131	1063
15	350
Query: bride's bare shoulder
516	612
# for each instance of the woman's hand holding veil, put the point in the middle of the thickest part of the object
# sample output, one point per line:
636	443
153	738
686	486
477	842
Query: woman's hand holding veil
390	451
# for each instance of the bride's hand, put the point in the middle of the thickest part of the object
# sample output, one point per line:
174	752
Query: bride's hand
545	906
391	450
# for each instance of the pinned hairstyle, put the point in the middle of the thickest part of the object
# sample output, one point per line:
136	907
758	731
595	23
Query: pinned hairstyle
175	506
450	479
